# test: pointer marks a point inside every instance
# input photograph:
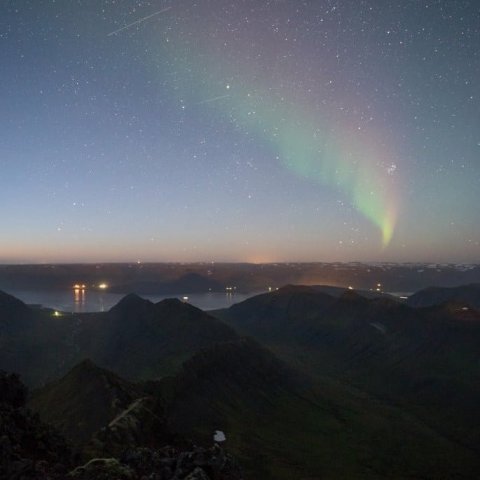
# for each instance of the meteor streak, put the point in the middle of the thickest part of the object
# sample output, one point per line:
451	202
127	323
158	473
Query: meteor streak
136	22
214	99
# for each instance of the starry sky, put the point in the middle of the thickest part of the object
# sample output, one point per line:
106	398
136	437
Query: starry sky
246	130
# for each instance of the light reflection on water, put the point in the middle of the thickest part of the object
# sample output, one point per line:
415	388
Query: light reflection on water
79	300
83	300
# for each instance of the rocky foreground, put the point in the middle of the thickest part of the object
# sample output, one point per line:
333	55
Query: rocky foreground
31	449
168	463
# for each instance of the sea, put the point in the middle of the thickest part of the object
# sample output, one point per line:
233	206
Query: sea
94	301
77	301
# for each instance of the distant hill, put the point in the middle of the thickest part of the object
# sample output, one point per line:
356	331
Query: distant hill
466	294
29	448
394	277
186	284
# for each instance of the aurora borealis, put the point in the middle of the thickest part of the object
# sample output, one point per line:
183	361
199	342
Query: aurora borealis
240	131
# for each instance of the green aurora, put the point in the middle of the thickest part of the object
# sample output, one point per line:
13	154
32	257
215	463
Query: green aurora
319	148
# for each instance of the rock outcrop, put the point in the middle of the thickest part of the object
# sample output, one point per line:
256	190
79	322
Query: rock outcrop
168	463
28	447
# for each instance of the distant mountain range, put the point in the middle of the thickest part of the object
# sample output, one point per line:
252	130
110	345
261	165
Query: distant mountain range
328	383
185	278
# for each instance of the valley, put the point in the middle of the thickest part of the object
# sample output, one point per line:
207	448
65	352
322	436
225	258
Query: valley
305	381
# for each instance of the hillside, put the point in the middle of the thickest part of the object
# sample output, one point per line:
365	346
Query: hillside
424	359
28	448
339	387
278	422
141	340
31	449
136	338
468	295
83	401
283	425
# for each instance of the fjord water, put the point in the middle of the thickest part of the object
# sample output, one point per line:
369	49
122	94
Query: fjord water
95	301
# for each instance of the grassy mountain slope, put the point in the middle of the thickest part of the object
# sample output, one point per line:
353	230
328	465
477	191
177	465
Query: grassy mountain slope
278	422
283	426
136	338
83	401
426	360
348	387
465	294
28	447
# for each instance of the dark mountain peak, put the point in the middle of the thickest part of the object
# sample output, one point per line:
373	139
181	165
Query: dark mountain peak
175	308
178	316
289	289
86	365
242	361
305	292
288	311
87	372
296	296
171	303
15	317
84	400
131	302
231	379
11	304
352	296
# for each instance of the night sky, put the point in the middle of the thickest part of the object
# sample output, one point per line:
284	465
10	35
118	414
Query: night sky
241	130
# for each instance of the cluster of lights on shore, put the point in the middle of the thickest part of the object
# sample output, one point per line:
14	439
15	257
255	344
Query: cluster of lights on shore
82	286
79	291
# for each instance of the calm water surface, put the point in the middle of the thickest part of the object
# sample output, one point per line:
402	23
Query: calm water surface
94	301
